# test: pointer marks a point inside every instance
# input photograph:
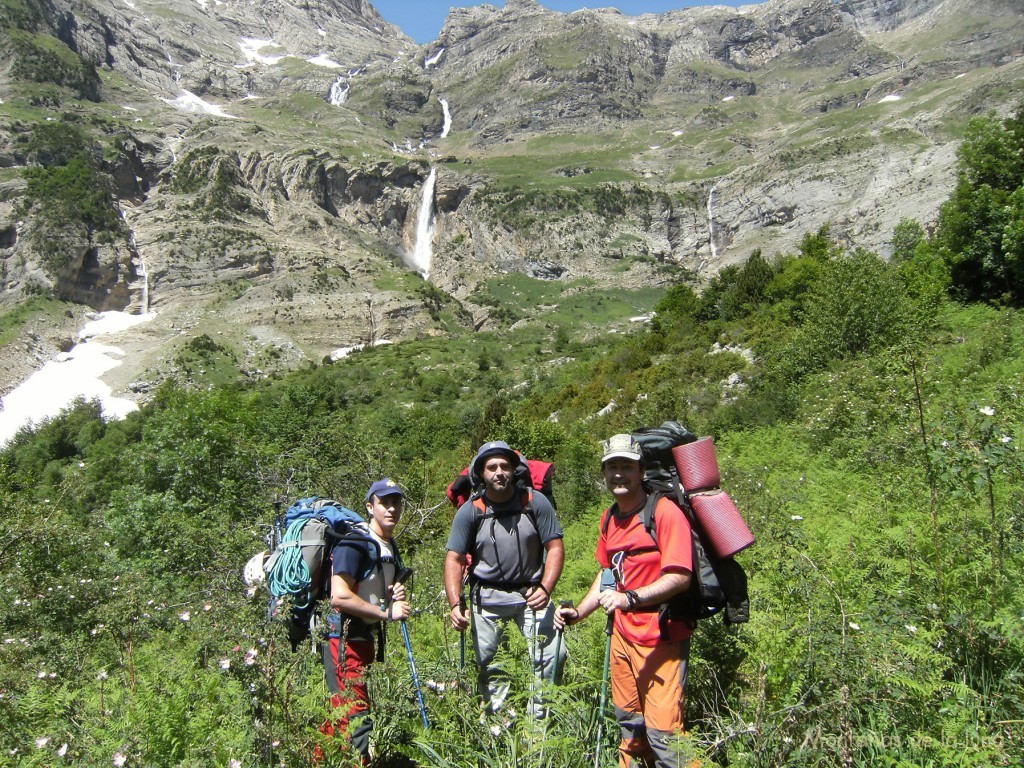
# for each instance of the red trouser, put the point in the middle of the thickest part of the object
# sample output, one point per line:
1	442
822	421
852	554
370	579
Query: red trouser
351	702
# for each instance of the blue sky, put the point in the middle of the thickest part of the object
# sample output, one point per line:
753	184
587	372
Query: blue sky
422	19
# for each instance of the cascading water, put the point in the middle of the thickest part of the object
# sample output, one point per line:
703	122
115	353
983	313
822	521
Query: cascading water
447	119
339	91
422	251
711	221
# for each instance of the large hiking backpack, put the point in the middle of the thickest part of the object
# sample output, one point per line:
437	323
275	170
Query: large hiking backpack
718	584
298	570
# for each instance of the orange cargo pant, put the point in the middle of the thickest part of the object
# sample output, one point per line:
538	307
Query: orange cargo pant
649	690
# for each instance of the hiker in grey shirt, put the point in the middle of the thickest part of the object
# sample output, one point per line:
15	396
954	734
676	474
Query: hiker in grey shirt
509	542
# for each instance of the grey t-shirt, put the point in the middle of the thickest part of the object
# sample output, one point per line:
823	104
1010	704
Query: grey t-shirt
508	548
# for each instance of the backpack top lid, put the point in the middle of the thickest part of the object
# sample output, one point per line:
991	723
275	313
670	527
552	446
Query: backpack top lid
656	444
315	506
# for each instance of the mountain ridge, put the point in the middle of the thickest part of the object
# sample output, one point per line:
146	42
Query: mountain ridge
267	159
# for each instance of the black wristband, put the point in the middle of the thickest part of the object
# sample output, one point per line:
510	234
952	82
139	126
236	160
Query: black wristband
633	600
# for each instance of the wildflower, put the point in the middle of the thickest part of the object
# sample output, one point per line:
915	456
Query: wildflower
81	465
1005	439
233	763
854	627
42	674
987	411
796	517
63	750
495	730
102	675
185	616
119	759
42	741
225	663
208	606
911	628
250	657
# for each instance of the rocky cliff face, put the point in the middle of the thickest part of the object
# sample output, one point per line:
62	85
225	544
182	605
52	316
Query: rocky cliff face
267	159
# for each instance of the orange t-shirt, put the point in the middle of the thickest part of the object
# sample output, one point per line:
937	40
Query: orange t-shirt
674	554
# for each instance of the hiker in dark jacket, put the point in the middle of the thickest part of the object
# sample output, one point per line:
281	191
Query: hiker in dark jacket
359	608
513	538
649	657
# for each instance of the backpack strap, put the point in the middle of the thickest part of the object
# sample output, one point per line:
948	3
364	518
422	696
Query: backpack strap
483	511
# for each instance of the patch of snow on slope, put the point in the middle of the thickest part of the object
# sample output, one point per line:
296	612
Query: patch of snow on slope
72	375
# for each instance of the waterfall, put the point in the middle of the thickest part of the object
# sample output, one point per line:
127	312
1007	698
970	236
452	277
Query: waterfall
339	91
711	221
142	273
447	119
422	251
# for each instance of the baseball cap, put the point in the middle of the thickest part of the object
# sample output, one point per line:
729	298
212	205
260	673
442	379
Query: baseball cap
384	487
621	447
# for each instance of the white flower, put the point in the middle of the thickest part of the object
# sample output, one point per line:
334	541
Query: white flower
855	627
208	606
119	759
234	763
987	411
42	674
250	657
185	616
911	628
225	663
102	675
1005	439
42	741
796	517
63	750
495	730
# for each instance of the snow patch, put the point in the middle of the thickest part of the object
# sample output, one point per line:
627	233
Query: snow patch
251	47
343	352
728	98
890	97
323	61
189	102
72	375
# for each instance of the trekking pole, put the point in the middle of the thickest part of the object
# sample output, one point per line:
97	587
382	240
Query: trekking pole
607	582
462	635
400	578
415	677
558	644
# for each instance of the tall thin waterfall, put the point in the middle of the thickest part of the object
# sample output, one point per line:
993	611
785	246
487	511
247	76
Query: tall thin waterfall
447	119
711	220
423	250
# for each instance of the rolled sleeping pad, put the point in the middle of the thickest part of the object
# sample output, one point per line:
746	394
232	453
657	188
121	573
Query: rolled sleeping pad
697	465
723	526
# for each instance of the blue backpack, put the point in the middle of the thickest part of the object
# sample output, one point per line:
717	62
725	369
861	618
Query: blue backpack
298	570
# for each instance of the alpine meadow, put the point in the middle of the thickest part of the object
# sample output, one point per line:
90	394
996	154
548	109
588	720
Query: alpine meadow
709	216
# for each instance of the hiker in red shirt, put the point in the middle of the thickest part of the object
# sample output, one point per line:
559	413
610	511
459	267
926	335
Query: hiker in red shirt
649	654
